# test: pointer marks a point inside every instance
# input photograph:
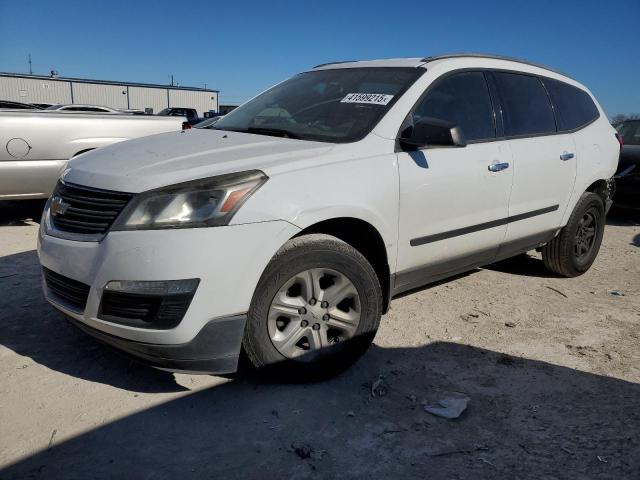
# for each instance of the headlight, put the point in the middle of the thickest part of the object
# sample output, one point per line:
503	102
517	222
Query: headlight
200	203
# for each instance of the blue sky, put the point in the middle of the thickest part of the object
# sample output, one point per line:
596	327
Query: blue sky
242	47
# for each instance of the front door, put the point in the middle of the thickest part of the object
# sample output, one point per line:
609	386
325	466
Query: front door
453	200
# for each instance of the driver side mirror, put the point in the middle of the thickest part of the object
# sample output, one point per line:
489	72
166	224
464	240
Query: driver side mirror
432	132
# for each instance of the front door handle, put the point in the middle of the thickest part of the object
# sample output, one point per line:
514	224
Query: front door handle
496	167
564	156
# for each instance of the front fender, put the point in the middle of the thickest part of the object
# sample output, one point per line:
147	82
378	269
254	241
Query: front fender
364	188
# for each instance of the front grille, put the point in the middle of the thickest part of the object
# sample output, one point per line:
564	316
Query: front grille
70	292
145	311
85	210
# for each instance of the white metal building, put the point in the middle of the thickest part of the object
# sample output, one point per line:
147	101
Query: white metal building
122	95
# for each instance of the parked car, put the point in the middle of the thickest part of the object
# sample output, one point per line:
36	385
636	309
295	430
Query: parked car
75	107
285	230
6	104
191	114
628	174
38	144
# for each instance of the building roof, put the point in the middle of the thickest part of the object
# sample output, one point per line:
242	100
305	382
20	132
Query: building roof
104	82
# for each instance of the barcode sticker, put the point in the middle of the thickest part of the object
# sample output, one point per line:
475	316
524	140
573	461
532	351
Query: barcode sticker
372	98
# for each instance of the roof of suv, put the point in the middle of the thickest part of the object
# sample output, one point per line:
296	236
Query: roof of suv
423	61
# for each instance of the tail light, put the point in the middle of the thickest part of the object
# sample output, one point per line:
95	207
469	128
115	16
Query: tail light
620	140
186	125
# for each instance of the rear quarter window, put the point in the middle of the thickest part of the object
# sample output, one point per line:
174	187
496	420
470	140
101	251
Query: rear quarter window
574	107
526	108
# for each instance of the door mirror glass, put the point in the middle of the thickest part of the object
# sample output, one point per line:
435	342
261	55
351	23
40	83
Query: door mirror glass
428	132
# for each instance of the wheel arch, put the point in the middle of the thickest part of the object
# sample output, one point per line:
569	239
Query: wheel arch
601	186
365	238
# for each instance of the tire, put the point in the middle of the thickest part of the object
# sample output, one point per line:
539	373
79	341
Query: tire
561	255
322	258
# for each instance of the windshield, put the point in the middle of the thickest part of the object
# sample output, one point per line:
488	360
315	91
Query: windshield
340	105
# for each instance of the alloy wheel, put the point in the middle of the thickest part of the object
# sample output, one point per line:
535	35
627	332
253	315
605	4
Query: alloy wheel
314	309
585	234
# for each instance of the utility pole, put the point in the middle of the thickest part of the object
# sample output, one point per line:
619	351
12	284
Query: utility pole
30	71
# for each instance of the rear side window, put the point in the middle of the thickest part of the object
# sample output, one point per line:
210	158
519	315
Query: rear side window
573	106
526	109
461	99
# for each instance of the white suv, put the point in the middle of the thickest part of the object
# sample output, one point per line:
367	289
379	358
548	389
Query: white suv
283	231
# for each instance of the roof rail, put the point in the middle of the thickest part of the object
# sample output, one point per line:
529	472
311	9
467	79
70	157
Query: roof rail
334	63
489	55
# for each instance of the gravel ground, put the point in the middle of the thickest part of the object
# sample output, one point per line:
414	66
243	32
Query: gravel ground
551	367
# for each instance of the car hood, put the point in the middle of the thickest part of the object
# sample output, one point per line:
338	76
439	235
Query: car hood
169	158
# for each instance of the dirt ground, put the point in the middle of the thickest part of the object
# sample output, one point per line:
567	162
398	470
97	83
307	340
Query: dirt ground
551	367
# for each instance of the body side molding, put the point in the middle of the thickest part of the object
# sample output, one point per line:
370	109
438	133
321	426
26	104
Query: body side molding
415	242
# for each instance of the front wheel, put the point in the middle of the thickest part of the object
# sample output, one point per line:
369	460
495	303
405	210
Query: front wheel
576	247
315	311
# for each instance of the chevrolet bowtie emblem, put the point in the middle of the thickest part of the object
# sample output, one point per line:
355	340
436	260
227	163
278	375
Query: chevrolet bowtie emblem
58	206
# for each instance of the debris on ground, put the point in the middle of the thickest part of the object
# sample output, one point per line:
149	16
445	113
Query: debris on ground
53	435
616	293
350	414
509	324
601	459
484	460
303	450
557	291
449	407
378	388
469	317
583	350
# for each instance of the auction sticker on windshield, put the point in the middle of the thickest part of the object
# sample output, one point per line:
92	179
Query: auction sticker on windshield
372	98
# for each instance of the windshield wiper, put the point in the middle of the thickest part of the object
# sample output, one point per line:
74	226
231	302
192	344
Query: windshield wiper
275	132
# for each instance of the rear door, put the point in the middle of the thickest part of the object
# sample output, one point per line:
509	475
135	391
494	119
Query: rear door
453	200
544	160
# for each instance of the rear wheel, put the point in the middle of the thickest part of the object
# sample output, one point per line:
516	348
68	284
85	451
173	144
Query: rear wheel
315	311
576	247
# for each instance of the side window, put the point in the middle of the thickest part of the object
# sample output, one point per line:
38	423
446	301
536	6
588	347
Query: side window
526	109
573	106
462	99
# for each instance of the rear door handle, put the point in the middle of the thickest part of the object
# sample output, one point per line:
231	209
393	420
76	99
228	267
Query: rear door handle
496	167
564	156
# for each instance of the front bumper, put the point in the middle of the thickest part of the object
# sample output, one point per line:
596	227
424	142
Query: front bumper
213	350
228	261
